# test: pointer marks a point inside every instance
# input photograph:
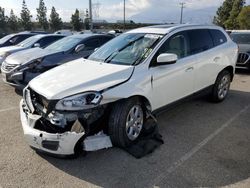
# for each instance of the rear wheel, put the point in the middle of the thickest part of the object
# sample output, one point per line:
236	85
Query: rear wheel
221	86
126	122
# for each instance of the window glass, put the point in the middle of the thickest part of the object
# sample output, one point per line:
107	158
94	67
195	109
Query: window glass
105	39
241	38
20	38
218	37
6	38
64	44
176	44
91	44
127	49
48	40
200	40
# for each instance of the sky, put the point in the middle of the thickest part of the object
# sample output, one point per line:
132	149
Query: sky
150	11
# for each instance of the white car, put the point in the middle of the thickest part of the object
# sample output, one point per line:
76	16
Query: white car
123	83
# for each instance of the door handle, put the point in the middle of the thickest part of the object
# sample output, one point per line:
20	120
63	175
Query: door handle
216	59
189	69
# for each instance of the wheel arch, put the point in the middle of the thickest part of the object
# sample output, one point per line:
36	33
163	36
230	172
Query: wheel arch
230	69
144	100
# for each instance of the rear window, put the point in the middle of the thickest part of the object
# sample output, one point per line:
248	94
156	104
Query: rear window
241	38
218	37
200	40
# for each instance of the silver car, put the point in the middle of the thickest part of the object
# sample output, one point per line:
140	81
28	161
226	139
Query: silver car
242	38
41	41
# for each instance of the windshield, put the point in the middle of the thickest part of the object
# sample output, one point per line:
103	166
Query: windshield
29	41
126	49
4	39
64	44
241	38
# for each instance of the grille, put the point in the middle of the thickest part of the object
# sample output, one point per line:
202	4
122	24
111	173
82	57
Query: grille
8	67
243	58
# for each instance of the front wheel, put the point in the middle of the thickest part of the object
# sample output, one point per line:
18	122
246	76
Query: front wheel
221	86
126	122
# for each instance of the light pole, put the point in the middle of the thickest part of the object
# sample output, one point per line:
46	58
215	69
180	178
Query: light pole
124	15
182	6
90	15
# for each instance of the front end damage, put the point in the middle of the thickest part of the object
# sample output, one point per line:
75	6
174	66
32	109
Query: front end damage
56	131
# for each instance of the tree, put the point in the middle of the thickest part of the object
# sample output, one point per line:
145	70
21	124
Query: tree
232	22
2	19
223	13
42	15
55	21
26	17
13	21
244	18
76	21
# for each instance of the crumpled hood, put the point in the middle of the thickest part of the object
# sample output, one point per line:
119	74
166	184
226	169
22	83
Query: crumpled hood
11	49
243	48
79	76
28	55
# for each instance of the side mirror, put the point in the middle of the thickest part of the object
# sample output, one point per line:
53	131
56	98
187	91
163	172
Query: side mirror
166	58
11	41
79	47
36	45
96	49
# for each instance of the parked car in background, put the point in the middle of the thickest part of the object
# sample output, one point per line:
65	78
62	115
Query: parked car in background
64	32
14	39
242	38
123	82
40	40
19	68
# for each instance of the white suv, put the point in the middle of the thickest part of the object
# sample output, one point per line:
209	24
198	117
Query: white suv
123	83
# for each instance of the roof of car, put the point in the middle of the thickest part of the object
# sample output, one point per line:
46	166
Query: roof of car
87	35
240	31
164	29
47	35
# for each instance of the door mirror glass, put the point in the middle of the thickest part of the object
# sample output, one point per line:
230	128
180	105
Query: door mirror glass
36	45
79	47
166	58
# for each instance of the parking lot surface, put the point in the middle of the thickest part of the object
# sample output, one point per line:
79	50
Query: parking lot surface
206	145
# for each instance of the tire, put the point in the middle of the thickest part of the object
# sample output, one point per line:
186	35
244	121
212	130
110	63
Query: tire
124	127
221	87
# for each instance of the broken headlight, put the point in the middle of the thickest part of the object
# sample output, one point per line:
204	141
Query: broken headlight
80	102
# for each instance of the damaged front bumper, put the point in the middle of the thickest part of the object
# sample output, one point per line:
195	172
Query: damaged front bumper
54	143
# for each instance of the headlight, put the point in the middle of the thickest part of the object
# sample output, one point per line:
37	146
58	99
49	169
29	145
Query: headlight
80	102
33	64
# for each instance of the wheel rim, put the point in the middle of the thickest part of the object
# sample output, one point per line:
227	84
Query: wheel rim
224	86
134	122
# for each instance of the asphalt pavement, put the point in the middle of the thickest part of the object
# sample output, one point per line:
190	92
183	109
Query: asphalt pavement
206	145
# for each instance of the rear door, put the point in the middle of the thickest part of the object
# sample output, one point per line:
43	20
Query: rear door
201	45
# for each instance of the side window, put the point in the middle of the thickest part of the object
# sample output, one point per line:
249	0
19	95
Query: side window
91	44
47	41
177	44
20	38
200	40
218	37
103	40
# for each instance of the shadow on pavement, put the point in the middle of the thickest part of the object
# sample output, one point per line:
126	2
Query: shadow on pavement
222	161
